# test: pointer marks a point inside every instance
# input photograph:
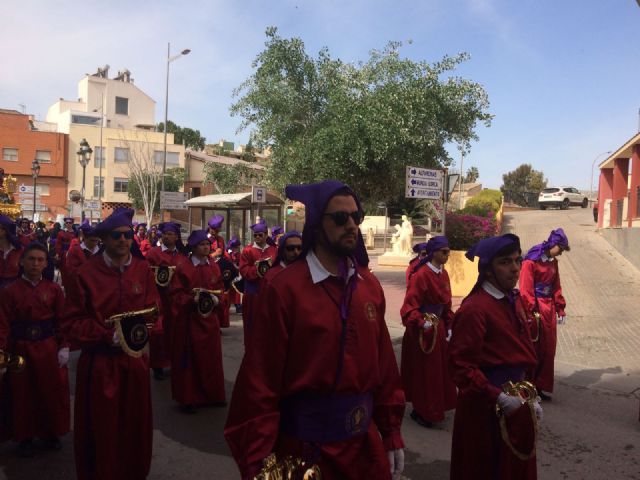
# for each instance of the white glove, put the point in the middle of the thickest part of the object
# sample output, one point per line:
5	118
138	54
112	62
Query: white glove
561	319
396	460
63	356
427	325
449	334
538	409
509	403
115	340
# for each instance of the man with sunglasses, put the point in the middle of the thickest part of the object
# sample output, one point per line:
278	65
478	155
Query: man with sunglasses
63	243
542	293
258	251
425	376
171	253
289	249
113	423
490	346
319	380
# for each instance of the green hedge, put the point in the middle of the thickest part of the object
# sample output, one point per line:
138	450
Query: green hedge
486	203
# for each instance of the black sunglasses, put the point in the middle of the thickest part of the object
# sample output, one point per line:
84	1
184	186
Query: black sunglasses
255	235
116	235
341	218
291	248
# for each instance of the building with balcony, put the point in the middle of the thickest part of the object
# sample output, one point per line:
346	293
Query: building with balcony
21	142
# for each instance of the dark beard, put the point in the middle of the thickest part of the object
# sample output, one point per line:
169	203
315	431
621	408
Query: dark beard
341	250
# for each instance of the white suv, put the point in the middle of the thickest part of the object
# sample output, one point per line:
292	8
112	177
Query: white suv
561	197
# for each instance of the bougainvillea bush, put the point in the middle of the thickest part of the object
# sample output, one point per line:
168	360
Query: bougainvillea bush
464	230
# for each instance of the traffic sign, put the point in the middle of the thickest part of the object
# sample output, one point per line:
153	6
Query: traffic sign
92	205
28	189
412	192
424	183
173	200
258	195
29	207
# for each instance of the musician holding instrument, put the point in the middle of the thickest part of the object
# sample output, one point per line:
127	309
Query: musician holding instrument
31	311
319	380
213	234
541	291
164	259
233	252
289	250
109	318
255	261
426	315
197	376
492	359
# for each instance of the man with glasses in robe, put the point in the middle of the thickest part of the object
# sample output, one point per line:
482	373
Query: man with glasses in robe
289	249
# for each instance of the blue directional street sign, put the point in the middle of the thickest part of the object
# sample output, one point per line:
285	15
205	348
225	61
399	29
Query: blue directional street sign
424	183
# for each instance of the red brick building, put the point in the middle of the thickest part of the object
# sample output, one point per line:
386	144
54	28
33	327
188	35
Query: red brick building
20	144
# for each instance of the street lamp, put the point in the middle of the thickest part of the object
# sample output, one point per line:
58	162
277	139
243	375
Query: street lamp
593	164
35	171
166	111
84	156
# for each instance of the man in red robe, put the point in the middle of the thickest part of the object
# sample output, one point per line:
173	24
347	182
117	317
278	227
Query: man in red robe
213	234
197	376
63	243
25	234
258	251
319	379
418	248
10	251
424	365
112	419
141	233
233	252
31	310
289	249
542	294
490	346
79	254
169	254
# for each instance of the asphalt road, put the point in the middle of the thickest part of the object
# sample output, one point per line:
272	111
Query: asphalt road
591	429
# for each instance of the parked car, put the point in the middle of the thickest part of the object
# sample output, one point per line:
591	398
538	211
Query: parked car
561	197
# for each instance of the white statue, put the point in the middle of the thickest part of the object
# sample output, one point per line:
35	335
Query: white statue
406	236
395	241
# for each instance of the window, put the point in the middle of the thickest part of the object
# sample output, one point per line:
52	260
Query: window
120	185
98	157
121	155
195	192
44	189
43	156
122	106
10	154
96	186
85	120
173	158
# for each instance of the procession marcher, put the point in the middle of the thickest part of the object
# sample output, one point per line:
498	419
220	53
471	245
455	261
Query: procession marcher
149	241
53	237
542	294
10	251
233	252
165	258
197	376
276	233
141	234
289	249
26	234
63	243
319	380
420	250
31	310
258	254
494	432
80	254
424	363
213	234
112	418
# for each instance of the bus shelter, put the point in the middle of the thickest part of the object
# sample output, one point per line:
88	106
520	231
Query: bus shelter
238	211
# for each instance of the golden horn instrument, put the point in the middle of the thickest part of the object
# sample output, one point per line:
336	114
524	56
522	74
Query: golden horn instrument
197	291
15	363
536	317
153	311
263	266
529	395
289	469
435	321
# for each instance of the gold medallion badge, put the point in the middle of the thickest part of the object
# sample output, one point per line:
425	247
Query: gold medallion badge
370	311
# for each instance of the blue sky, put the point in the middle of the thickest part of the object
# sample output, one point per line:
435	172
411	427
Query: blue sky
560	75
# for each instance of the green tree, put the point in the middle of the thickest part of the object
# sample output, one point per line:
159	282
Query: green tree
230	178
522	185
360	123
472	175
173	181
186	136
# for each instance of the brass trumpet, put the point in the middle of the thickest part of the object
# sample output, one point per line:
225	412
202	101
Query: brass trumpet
197	291
528	394
15	363
151	311
289	469
536	318
435	320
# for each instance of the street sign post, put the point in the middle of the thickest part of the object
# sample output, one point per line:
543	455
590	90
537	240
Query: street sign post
258	195
173	200
92	205
22	188
424	183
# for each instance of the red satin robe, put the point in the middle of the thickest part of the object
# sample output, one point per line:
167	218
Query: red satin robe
412	264
425	377
160	341
487	334
295	347
9	266
248	258
113	428
75	258
197	376
38	396
547	273
63	243
27	237
235	298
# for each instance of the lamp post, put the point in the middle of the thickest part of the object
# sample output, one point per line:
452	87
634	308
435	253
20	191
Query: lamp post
593	164
35	171
166	112
102	155
84	156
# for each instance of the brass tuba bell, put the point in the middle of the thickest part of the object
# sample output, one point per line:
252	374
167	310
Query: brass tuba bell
15	363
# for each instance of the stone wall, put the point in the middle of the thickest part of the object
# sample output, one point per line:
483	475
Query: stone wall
626	241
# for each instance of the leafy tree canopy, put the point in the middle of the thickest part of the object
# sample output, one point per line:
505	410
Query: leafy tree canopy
173	180
522	185
230	178
186	136
359	123
472	175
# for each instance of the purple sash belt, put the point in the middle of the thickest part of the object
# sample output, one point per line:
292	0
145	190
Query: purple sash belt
32	331
251	287
316	418
543	290
499	375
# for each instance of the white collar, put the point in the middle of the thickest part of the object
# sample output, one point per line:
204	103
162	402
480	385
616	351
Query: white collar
492	290
164	248
109	262
545	258
434	268
94	251
35	284
6	252
282	264
262	249
317	270
196	261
